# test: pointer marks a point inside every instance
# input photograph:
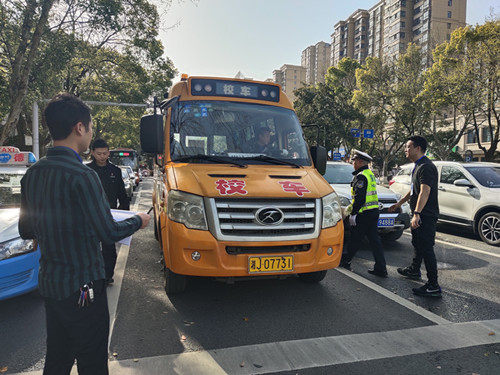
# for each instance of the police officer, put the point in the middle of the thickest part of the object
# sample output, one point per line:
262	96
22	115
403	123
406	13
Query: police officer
364	214
112	182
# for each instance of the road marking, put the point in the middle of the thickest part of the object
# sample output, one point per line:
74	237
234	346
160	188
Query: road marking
462	247
313	353
113	291
394	297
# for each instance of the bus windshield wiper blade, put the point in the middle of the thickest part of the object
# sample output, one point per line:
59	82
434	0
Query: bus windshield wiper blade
216	159
271	159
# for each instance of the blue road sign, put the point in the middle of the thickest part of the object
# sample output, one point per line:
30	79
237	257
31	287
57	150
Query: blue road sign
355	132
337	156
368	133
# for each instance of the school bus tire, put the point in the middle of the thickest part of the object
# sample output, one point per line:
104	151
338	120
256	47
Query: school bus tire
157	236
174	283
312	277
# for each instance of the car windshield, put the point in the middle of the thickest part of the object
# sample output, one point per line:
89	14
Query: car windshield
488	176
339	173
236	133
10	190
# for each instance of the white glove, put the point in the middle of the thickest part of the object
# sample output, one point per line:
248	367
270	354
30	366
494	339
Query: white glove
352	220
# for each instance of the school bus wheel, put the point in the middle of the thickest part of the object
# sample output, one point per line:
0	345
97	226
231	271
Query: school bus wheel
174	283
312	277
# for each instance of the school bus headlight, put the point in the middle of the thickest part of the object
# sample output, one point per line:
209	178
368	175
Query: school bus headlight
332	212
187	209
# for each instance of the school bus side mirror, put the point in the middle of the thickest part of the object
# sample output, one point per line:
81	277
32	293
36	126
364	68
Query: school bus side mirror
152	134
318	155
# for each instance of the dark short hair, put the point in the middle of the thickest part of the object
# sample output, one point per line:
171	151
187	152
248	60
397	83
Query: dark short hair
418	140
99	143
263	130
63	112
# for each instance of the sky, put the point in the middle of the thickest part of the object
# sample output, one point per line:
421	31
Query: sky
255	37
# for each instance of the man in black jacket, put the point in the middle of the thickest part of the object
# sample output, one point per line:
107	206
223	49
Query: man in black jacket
112	182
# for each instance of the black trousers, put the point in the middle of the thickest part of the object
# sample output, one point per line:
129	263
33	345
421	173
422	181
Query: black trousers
422	240
366	225
109	255
79	333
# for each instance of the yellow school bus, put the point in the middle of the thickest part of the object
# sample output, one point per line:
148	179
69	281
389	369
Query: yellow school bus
237	191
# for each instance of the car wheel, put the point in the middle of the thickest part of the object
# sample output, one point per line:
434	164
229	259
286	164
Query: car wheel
312	277
392	236
489	228
174	283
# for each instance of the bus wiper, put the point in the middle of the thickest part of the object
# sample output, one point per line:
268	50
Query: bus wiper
216	159
271	159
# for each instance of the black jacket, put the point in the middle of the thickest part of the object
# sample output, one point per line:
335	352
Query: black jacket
112	182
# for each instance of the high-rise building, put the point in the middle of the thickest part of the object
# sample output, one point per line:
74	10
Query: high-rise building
316	60
290	77
350	38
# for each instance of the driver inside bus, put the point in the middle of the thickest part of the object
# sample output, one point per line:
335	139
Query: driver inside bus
262	143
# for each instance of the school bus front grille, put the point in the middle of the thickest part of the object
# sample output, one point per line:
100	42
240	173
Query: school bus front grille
237	219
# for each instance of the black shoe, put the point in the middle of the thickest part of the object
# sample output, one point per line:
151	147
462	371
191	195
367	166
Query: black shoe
428	290
410	273
378	273
345	265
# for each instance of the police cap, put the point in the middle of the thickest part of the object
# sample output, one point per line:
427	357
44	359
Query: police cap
361	155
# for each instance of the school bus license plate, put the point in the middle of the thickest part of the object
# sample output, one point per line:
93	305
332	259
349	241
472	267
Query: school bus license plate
263	264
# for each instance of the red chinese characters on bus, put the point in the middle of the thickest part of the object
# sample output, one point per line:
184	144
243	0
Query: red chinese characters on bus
228	187
294	187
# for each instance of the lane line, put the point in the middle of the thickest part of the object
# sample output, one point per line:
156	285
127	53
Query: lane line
394	297
462	247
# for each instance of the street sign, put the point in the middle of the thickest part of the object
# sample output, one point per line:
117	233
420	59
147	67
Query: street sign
337	156
355	132
368	133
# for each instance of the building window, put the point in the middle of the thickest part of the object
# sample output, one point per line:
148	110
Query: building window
471	137
402	24
450	3
485	135
403	3
403	13
402	35
449	26
449	14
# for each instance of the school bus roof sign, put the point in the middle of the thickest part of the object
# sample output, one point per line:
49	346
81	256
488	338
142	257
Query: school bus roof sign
234	89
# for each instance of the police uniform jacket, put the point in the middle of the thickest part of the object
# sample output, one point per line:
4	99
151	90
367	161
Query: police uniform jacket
112	182
359	186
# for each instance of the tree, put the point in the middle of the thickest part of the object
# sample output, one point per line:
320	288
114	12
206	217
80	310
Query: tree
466	79
30	28
329	105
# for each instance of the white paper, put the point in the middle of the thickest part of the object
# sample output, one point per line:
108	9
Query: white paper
120	215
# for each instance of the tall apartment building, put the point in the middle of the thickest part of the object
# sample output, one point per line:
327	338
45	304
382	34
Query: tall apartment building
290	77
316	60
350	38
393	24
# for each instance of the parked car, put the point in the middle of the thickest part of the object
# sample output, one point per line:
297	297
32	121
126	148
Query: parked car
133	178
128	183
391	225
19	259
468	195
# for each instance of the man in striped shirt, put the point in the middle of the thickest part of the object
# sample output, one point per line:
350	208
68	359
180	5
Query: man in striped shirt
64	207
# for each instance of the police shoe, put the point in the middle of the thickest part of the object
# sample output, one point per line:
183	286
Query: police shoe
378	273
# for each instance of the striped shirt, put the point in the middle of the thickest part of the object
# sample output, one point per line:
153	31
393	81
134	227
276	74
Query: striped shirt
64	207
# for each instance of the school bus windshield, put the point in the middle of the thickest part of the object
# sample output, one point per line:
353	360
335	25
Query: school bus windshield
236	130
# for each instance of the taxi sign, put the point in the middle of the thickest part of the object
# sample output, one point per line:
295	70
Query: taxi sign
10	155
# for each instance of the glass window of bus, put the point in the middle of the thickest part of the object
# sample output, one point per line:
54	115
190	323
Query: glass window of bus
229	128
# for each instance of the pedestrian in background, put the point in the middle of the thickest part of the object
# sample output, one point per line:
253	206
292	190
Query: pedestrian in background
363	215
64	207
114	187
423	199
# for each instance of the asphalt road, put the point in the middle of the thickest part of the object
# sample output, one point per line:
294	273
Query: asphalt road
352	322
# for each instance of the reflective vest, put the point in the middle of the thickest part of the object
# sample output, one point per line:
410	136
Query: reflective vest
371	200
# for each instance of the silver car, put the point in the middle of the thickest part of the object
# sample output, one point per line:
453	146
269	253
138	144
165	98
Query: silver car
468	195
390	225
128	183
